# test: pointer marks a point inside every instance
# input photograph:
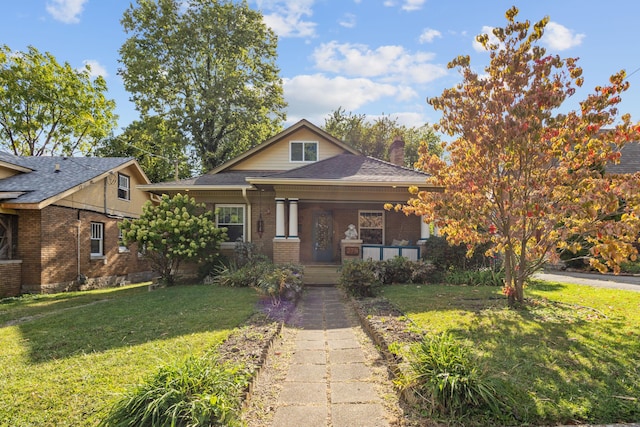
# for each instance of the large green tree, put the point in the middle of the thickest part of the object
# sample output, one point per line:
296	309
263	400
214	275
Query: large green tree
157	144
50	109
524	176
373	137
209	65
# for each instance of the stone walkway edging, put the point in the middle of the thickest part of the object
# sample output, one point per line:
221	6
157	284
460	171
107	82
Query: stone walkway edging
393	361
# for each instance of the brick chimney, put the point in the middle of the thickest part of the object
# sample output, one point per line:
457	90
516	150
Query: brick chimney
396	151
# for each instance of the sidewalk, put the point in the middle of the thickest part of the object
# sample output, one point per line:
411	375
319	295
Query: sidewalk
331	375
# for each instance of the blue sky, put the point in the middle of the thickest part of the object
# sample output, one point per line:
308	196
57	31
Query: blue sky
369	57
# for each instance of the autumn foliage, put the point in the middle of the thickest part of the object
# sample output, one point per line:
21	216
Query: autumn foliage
523	175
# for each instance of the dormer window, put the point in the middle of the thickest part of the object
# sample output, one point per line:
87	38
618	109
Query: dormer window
304	151
123	187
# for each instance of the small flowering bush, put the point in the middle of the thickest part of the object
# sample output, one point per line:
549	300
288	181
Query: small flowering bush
176	230
276	281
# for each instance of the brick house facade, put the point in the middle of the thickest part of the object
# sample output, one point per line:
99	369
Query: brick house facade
294	195
67	212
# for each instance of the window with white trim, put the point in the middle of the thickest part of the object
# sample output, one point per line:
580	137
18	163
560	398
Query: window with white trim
124	191
303	151
97	239
232	218
371	227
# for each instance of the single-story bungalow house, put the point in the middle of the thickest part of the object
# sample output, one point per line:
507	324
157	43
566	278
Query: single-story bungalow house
59	222
295	195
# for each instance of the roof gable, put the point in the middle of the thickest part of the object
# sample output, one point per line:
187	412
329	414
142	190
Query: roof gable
53	178
273	153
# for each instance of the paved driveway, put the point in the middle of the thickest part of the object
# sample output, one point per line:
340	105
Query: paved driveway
630	283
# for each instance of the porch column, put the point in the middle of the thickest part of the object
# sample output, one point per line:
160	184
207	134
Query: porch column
425	229
293	218
280	219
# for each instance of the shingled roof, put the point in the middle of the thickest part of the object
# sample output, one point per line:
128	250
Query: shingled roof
43	182
350	168
629	160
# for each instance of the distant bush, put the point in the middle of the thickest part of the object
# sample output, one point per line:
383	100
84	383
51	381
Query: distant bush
482	277
276	281
444	257
360	278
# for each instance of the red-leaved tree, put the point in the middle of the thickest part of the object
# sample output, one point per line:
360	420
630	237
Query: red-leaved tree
524	176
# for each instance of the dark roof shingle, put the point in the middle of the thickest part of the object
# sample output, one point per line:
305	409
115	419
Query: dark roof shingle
44	182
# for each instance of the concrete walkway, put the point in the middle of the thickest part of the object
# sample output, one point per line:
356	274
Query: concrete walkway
329	380
629	283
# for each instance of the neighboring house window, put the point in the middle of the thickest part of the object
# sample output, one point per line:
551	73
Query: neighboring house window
304	151
371	227
122	248
97	239
124	191
8	236
232	218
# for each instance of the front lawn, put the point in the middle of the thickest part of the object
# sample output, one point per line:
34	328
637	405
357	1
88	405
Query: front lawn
65	358
571	356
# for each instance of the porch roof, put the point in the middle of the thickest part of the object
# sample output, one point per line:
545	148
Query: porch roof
343	169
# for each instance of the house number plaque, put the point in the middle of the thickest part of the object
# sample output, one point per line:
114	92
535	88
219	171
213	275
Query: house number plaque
351	250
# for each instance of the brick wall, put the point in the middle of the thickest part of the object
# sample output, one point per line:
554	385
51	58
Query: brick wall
53	267
286	250
10	278
29	238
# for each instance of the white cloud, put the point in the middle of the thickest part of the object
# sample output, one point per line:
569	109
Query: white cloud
559	37
314	96
411	5
428	35
287	17
348	20
492	39
97	69
408	5
389	63
66	11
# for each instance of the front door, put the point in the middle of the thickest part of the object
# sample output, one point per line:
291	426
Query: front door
322	236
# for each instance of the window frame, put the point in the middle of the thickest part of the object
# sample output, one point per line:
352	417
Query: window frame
100	239
219	224
360	227
126	189
304	143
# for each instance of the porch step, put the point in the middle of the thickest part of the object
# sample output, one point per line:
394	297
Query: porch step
321	274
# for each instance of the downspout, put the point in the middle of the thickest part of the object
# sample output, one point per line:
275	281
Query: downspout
105	196
246	199
78	222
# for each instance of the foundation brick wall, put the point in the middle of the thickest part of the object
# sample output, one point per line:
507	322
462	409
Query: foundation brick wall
286	251
10	278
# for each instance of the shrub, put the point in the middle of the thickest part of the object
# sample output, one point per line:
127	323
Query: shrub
247	276
396	270
483	277
360	278
176	230
422	272
197	392
443	256
282	282
446	376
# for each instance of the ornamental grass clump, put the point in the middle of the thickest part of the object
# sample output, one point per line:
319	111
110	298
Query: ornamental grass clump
197	392
445	375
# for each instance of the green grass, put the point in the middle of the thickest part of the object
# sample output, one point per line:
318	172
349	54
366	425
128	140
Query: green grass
66	358
572	355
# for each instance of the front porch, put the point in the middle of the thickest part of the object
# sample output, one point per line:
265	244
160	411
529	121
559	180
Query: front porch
316	229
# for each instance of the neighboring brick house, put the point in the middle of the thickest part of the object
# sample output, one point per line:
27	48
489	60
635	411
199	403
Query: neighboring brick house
58	222
295	195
